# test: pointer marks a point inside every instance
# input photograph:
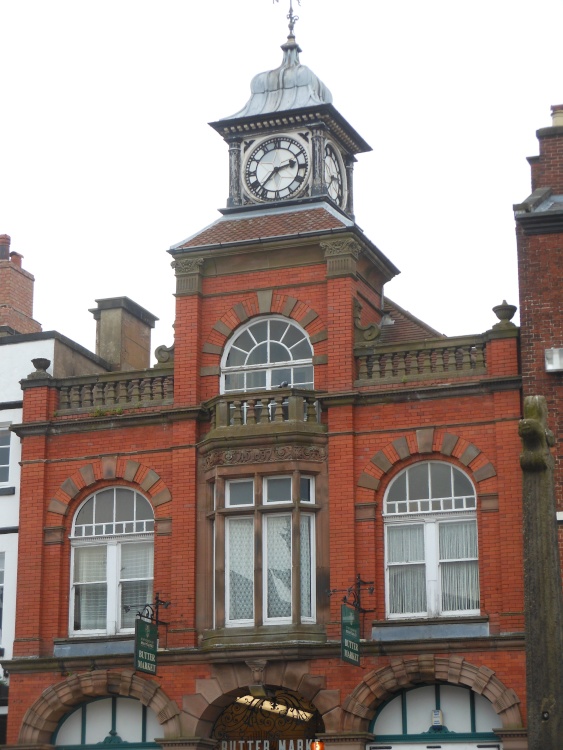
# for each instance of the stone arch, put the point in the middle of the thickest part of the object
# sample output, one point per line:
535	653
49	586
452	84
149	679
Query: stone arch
380	685
41	720
109	467
263	302
424	443
201	709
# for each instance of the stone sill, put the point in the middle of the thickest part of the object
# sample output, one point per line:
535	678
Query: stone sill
265	634
435	629
101	645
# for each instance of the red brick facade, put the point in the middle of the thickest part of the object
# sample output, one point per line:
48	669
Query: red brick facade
390	395
370	430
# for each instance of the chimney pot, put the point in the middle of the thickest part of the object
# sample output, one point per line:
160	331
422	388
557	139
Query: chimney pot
557	115
16	258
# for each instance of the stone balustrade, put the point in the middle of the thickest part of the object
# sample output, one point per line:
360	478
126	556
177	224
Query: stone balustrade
116	391
265	407
424	360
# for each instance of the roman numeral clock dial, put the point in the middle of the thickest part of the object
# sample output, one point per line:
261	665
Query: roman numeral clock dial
276	169
334	180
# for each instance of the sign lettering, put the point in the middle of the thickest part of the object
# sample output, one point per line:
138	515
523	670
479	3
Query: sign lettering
146	646
350	635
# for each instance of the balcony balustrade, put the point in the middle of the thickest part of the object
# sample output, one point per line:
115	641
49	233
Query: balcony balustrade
237	410
116	391
425	360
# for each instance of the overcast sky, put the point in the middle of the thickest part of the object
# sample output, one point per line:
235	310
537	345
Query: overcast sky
106	158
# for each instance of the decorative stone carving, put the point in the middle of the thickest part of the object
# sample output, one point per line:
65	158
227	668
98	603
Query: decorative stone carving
341	247
164	354
504	313
257	668
232	457
41	364
537	438
366	333
341	256
187	265
543	600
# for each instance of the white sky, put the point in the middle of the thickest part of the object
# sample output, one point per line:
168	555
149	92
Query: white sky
106	158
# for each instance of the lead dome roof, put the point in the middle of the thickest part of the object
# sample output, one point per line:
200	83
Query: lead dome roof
290	86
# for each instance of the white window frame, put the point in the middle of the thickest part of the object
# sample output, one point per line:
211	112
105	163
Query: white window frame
113	544
271	366
5	428
258	515
431	521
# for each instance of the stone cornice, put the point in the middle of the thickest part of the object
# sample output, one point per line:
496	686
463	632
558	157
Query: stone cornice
285	651
109	422
413	391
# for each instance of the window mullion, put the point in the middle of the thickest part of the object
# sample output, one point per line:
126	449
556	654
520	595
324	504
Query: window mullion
432	557
114	587
260	578
296	548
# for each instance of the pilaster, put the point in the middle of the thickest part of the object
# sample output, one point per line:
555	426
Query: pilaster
187	346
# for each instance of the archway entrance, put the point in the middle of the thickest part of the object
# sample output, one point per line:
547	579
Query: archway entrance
275	719
440	716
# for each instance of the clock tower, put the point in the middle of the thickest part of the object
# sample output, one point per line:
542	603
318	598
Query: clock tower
289	143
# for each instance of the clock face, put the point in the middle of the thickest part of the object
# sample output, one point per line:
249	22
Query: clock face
276	169
333	175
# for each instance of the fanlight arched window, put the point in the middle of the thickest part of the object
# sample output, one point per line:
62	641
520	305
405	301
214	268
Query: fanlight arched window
268	353
118	722
112	561
434	715
431	543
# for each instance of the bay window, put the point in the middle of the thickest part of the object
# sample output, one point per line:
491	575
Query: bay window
269	549
112	561
431	543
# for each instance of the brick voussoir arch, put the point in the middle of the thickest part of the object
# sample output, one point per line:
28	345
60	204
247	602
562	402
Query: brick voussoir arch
263	302
41	720
109	467
425	442
380	685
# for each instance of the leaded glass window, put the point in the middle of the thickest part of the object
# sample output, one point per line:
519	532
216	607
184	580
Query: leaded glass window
283	532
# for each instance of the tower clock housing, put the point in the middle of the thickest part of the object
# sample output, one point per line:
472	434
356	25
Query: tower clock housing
289	142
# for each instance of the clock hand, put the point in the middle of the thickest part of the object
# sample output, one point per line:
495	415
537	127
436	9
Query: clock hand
288	163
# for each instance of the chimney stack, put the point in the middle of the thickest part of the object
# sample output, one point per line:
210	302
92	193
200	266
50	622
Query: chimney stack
16	293
123	333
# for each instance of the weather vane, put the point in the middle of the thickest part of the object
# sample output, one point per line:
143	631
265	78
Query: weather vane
290	16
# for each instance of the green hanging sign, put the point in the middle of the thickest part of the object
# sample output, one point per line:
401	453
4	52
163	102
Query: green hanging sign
146	646
350	635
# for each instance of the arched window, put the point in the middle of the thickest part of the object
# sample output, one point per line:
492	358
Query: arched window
434	715
431	543
112	561
268	353
118	722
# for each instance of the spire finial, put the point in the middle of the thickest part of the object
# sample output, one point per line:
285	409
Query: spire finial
291	17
